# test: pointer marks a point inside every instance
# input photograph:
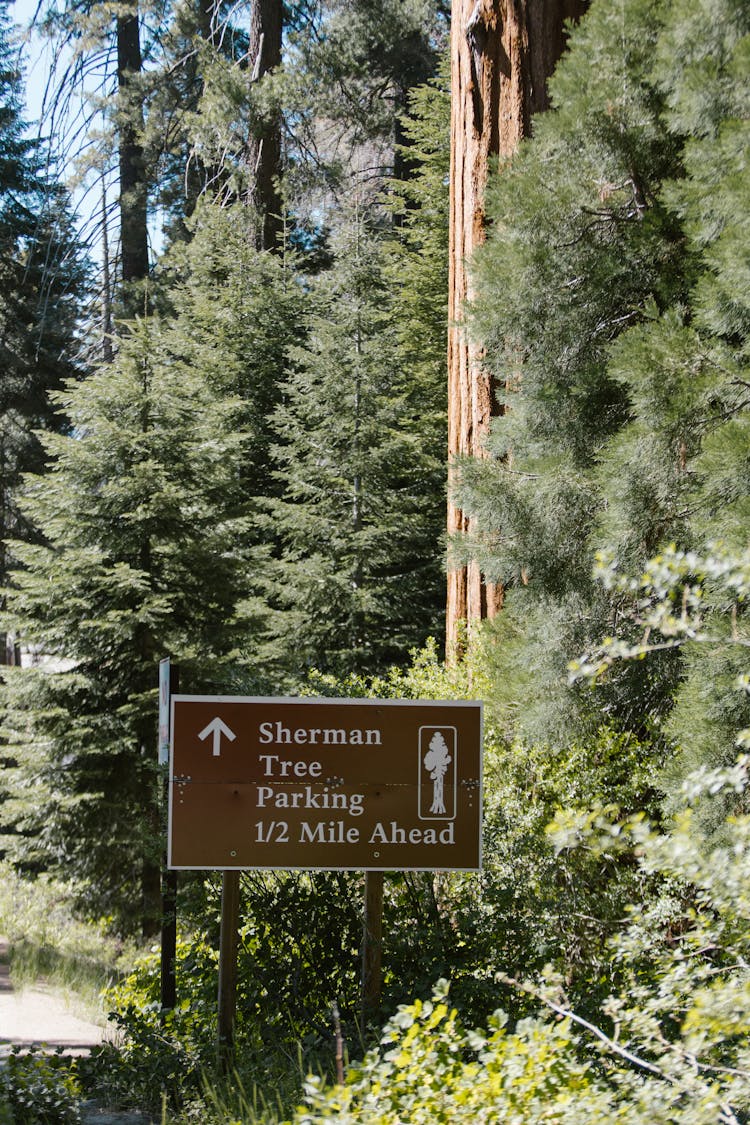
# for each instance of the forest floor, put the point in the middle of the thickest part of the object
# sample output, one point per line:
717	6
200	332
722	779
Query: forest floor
39	1018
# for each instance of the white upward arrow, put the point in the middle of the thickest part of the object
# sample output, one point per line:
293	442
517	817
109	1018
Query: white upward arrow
217	727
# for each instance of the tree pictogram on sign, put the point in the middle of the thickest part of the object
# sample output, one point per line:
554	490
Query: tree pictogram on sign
436	760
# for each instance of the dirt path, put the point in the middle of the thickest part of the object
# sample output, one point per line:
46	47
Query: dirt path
39	1018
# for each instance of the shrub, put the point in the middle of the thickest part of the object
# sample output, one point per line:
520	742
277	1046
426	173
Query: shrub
39	1090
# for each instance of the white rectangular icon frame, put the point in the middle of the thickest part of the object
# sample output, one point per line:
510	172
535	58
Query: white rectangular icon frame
433	816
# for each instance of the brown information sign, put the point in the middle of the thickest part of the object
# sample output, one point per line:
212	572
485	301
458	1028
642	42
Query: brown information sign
325	783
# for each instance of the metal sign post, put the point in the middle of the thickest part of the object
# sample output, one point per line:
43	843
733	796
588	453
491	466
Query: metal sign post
169	682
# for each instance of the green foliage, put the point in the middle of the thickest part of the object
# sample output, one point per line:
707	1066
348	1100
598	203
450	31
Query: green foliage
298	954
535	905
686	983
530	905
190	145
579	227
357	519
362	503
430	1069
629	937
39	1090
153	1065
697	604
229	1102
158	1059
669	1046
42	287
234	314
143	516
351	66
612	304
345	75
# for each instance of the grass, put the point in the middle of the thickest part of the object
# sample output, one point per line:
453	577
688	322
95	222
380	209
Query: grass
46	940
228	1100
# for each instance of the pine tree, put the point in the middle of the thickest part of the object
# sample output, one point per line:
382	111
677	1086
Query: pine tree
501	58
416	267
417	251
232	312
578	226
357	572
211	128
263	148
42	287
144	523
708	101
120	54
348	69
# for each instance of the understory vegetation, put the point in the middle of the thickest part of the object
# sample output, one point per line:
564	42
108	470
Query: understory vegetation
597	964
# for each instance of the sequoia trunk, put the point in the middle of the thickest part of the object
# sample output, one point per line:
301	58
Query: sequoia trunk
502	53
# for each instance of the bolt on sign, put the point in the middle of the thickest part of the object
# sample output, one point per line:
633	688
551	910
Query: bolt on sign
325	783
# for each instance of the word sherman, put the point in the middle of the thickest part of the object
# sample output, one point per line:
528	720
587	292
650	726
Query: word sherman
278	735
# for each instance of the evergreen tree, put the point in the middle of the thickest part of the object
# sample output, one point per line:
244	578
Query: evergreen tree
358	566
42	286
124	81
501	58
232	312
144	522
703	352
364	56
344	86
579	228
417	251
416	268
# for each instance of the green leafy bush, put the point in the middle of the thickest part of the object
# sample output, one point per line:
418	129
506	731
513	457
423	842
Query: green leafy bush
670	1044
429	1068
669	1048
39	1090
289	972
151	1065
159	1055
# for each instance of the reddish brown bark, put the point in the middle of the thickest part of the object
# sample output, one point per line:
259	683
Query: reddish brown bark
502	53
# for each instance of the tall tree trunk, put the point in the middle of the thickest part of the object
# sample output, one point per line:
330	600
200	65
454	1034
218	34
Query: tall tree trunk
133	182
107	349
6	642
502	53
264	147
